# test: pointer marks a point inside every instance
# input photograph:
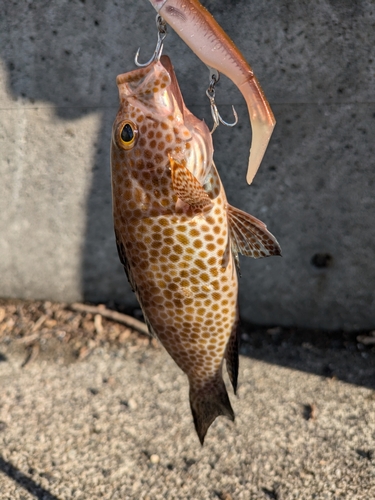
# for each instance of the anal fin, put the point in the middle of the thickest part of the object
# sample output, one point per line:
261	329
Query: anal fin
231	355
250	236
188	189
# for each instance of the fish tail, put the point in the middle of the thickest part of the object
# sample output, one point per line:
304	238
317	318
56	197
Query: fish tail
208	402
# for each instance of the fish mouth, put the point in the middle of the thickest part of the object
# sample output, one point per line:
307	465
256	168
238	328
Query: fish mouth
174	86
199	155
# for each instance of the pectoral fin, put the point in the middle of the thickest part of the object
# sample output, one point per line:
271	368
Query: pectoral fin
249	236
188	189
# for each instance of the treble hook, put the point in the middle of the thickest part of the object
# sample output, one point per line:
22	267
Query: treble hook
210	93
162	33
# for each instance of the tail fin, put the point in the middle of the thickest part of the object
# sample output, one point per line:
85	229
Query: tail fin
208	402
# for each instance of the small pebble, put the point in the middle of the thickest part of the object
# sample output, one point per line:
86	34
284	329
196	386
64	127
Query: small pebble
132	404
2	314
154	459
277	330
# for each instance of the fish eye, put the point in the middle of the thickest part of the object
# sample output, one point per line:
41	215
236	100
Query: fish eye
127	134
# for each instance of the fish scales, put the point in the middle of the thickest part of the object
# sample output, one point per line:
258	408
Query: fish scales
177	236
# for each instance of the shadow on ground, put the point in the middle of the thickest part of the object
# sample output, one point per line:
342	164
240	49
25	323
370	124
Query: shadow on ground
328	354
21	479
332	354
56	331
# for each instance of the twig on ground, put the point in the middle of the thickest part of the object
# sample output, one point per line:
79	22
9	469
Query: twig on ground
367	339
28	339
113	315
32	355
98	324
39	323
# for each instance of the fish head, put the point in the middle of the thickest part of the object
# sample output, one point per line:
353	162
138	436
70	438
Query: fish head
153	126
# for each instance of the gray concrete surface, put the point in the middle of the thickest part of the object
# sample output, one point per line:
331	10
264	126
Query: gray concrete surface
118	426
314	190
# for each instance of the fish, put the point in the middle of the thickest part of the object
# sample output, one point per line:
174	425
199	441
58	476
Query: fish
200	31
177	237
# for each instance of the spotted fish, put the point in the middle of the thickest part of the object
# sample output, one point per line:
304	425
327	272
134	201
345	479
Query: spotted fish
177	236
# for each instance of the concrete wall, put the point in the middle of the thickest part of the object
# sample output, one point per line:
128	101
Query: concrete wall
314	190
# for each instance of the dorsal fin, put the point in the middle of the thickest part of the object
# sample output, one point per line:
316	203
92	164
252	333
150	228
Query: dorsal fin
188	188
249	235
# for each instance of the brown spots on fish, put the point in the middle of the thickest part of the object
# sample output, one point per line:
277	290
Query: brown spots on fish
178	249
168	231
182	238
200	263
205	277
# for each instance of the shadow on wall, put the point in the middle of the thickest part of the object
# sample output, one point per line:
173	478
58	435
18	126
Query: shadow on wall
68	54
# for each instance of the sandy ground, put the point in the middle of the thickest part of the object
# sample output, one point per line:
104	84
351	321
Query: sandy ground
91	410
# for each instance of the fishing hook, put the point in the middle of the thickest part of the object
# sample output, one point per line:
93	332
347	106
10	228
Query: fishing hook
210	93
162	33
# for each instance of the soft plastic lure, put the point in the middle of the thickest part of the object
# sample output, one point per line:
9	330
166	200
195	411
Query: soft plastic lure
199	30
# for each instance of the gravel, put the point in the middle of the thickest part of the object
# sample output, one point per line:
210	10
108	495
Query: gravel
106	415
